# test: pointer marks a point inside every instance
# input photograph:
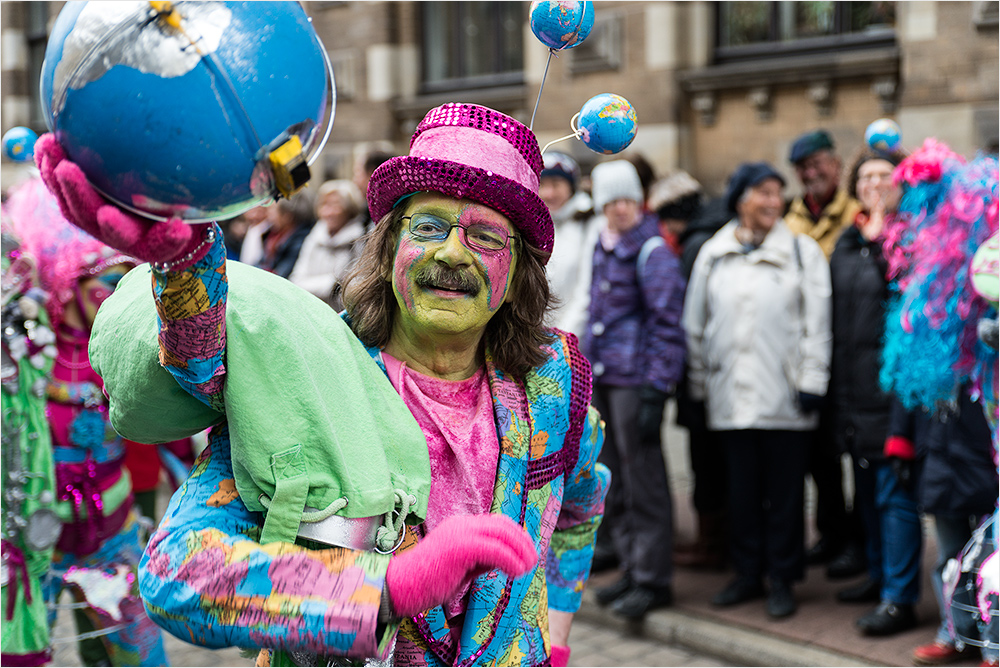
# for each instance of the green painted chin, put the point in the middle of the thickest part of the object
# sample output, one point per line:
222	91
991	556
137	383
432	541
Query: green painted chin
426	313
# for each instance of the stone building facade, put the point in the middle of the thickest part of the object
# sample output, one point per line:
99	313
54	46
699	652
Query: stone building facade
713	83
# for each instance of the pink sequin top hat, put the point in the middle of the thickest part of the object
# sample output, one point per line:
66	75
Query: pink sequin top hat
470	152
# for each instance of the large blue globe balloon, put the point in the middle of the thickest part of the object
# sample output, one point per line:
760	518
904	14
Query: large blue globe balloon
607	123
561	24
19	144
174	109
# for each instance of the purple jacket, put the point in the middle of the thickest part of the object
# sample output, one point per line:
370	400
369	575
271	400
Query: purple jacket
634	334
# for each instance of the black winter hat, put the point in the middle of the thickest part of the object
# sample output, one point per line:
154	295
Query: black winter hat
809	143
748	175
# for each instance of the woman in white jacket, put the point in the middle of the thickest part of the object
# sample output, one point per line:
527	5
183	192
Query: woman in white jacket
757	317
334	243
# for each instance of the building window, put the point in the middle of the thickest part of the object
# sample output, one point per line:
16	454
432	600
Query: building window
345	66
760	29
986	15
472	44
602	50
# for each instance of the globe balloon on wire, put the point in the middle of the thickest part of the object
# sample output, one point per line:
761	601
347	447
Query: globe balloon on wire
196	110
883	135
561	24
19	144
607	123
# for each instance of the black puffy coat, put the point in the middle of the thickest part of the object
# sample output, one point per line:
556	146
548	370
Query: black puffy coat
711	217
954	469
859	407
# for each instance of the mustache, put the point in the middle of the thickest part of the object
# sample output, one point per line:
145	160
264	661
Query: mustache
436	276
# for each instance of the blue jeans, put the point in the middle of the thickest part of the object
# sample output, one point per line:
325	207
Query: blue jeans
902	540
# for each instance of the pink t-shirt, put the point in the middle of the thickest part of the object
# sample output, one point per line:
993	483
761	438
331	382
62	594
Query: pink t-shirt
456	417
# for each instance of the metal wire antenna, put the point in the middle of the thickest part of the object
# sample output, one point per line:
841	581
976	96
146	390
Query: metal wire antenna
572	126
548	61
538	99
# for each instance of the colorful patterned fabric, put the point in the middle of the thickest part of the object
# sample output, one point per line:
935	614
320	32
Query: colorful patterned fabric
206	579
106	582
28	481
98	544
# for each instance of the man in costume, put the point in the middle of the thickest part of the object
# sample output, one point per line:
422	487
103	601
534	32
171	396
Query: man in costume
448	301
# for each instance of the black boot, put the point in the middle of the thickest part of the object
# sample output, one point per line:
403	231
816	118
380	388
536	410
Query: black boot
849	562
888	619
866	592
613	592
639	600
780	601
739	590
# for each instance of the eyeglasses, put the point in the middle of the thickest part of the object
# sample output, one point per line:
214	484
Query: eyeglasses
480	236
875	176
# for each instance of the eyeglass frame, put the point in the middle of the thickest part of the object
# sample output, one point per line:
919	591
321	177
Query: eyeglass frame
879	176
451	226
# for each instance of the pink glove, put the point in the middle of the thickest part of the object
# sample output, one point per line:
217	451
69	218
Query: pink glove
456	551
560	656
169	242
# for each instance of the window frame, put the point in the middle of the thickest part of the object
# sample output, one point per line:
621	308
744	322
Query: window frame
37	16
457	53
774	48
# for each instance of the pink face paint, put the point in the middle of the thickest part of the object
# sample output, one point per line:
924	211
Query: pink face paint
496	265
409	254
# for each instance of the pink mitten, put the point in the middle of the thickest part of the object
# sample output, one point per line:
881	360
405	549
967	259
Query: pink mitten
560	656
457	550
172	241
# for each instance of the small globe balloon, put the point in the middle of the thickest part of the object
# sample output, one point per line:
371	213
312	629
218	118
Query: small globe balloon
199	110
19	144
607	123
561	24
883	135
985	270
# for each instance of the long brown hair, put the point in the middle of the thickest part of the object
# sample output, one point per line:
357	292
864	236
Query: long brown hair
515	333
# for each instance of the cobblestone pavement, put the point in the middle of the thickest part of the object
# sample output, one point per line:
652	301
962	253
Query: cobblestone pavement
179	653
592	646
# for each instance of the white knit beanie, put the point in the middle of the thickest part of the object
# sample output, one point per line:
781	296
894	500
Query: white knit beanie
615	180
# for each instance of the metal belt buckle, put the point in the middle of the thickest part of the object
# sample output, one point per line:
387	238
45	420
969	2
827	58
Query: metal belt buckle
356	533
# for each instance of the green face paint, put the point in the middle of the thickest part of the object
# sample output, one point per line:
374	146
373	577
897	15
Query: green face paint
446	286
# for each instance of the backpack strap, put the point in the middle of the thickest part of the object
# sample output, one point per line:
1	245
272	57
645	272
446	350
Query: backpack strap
647	249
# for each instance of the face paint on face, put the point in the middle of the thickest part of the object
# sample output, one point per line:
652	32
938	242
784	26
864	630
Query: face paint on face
95	290
447	284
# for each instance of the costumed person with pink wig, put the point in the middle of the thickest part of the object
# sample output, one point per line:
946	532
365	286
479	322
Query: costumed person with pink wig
98	544
440	416
939	369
